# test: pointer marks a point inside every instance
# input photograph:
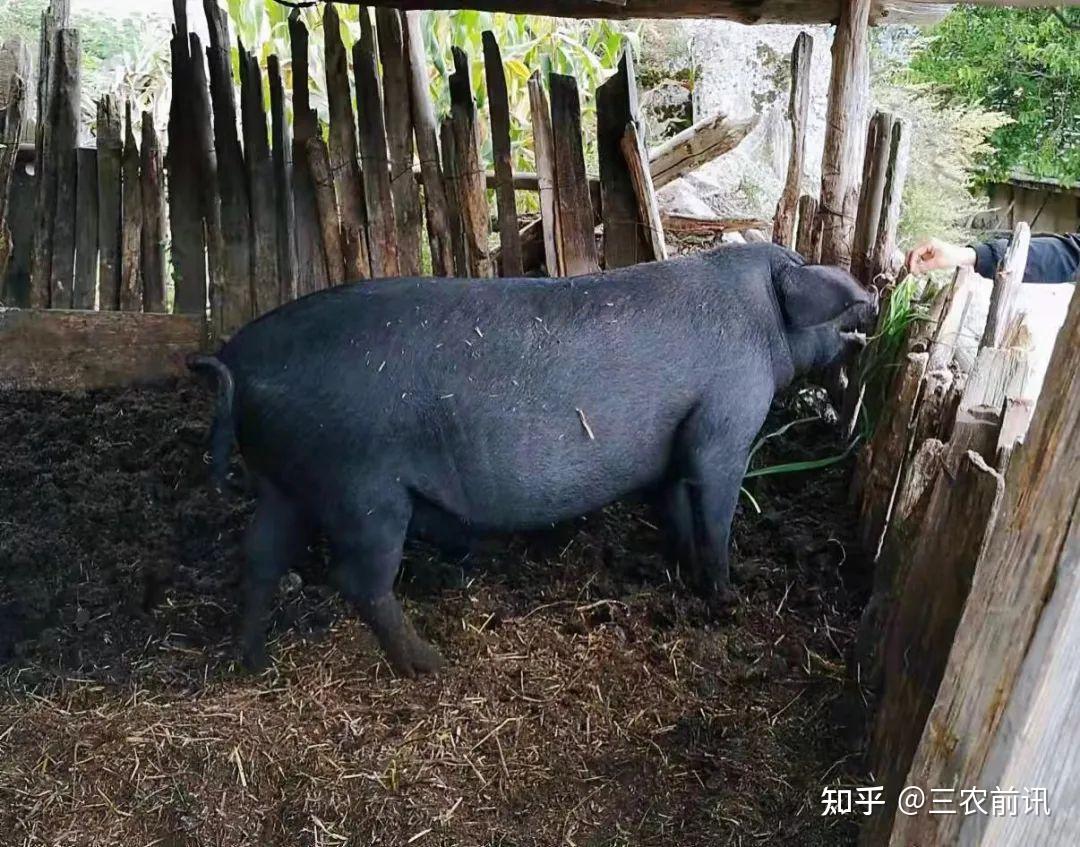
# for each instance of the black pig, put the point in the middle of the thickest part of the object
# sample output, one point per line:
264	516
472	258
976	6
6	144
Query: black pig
505	405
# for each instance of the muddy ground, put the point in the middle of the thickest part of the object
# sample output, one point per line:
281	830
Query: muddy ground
589	698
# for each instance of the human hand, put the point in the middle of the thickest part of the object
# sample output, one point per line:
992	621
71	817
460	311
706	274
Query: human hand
935	254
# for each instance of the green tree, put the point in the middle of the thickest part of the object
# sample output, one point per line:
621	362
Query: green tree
1022	63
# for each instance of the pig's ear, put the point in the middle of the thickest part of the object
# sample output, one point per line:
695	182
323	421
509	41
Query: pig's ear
813	294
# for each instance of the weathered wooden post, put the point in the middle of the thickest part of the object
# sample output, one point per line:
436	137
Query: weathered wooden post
545	171
381	219
312	265
895	177
110	151
636	158
84	292
152	234
576	227
499	106
427	149
849	94
798	111
626	240
232	187
1007	283
260	176
399	138
469	175
131	290
349	182
872	195
188	238
808	238
9	149
281	143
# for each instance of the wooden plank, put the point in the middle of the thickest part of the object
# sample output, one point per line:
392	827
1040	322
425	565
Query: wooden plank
943	343
9	148
15	60
349	183
499	107
740	11
895	179
61	350
694	225
281	144
318	160
84	294
110	151
706	140
131	289
578	242
236	285
202	135
312	271
930	589
468	171
399	139
187	248
845	126
1007	283
452	186
154	229
381	220
637	160
65	145
15	286
260	178
1036	745
798	113
626	238
544	150
427	148
996	376
872	195
1032	549
808	240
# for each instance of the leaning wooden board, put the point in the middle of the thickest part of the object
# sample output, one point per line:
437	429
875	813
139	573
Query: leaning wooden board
62	350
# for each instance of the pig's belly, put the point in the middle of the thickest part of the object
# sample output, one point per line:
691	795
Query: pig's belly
530	478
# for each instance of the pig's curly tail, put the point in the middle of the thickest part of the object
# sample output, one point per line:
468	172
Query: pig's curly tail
222	431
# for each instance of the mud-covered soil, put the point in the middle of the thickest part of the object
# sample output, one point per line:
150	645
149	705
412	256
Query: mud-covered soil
589	698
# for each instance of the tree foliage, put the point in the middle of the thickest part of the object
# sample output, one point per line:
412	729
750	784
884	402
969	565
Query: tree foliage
1022	63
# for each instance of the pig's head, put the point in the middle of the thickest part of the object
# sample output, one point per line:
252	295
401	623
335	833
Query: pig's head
826	314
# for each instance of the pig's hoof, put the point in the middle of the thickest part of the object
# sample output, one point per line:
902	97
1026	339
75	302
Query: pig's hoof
415	658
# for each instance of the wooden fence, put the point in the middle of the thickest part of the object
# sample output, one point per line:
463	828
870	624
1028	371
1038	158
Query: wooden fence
940	489
261	208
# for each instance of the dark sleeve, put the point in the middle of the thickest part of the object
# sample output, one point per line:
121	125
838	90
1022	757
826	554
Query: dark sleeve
1052	258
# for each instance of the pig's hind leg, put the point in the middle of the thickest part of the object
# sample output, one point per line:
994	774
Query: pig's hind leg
276	537
367	555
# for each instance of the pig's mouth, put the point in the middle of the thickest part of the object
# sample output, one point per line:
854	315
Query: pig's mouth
856	321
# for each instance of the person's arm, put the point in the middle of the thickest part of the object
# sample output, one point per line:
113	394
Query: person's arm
1051	258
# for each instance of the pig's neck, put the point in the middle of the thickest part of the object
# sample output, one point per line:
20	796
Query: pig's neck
812	347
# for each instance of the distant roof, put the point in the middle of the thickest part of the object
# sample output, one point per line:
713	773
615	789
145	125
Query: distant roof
1042	183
